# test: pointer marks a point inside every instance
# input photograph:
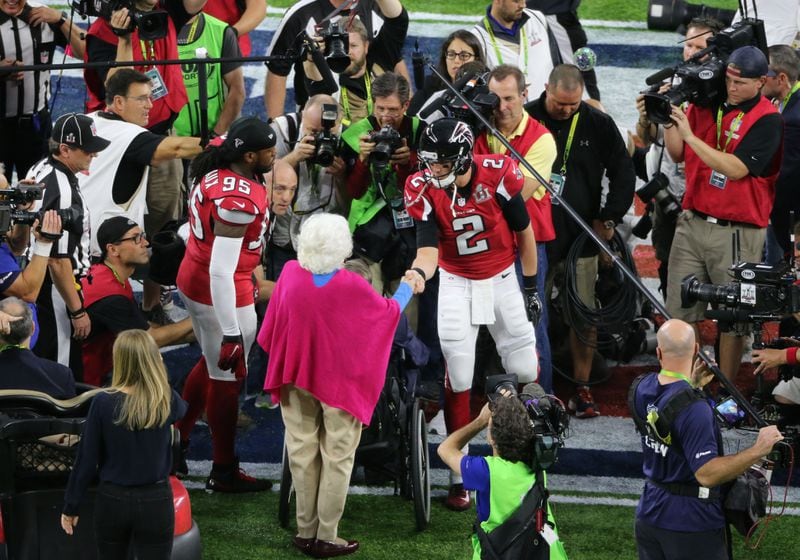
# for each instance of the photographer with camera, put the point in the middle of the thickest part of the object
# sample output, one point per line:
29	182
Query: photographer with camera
535	143
680	514
381	152
369	58
309	141
511	473
662	172
471	222
143	30
312	18
589	148
63	321
29	34
732	156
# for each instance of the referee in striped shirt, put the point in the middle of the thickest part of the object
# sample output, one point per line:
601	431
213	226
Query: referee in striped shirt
29	34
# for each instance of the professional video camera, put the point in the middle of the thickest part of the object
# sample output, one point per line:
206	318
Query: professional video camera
475	88
701	82
21	194
550	419
152	25
656	191
759	293
326	142
669	15
387	140
337	45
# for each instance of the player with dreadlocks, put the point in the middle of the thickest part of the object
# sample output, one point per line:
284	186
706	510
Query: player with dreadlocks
471	220
228	216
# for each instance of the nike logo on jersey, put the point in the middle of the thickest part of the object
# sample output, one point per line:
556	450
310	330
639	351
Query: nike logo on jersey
239	204
701	454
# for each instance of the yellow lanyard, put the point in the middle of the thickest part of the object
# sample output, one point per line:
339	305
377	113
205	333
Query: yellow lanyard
567	147
193	29
675	375
346	103
733	128
523	45
148	49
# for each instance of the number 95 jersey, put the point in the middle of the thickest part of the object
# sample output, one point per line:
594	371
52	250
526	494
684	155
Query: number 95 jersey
475	240
242	201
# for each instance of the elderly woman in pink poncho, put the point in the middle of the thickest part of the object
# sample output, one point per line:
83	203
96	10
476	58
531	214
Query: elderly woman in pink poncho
328	335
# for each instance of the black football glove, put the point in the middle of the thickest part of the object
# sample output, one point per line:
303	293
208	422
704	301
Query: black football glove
533	305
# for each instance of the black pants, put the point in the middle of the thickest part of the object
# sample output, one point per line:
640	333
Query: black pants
661	544
141	517
23	142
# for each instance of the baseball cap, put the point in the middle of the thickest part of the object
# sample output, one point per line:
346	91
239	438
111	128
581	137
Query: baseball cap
749	62
112	230
78	131
249	134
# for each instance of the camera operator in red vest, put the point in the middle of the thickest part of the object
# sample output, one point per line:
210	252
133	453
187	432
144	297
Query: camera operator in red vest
732	152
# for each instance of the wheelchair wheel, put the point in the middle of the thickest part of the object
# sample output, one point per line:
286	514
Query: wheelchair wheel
287	489
420	467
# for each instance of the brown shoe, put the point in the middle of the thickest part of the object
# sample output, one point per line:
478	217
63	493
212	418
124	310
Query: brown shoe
327	549
457	498
303	545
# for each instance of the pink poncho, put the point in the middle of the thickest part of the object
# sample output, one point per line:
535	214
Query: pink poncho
333	341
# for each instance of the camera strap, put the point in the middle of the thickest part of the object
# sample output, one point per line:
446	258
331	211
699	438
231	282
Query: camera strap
347	120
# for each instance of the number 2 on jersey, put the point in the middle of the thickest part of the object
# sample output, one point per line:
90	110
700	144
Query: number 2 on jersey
471	226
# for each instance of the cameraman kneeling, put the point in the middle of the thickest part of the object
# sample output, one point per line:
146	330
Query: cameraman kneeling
502	480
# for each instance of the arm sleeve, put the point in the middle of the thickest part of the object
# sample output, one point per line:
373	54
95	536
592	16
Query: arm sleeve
386	50
64	247
475	472
230	49
85	466
515	213
98	50
541	157
224	257
403	295
427	232
759	146
285	38
117	314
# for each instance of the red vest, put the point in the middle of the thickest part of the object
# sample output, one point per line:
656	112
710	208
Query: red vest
539	210
229	12
97	348
747	200
161	49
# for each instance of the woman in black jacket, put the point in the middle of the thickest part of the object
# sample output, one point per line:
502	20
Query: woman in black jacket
126	443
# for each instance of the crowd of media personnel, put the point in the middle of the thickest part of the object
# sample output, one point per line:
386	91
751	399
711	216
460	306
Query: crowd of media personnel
485	204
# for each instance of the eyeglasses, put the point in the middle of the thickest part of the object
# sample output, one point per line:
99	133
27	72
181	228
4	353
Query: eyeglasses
464	56
280	189
137	239
140	98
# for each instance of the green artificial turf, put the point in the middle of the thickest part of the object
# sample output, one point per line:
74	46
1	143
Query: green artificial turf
245	526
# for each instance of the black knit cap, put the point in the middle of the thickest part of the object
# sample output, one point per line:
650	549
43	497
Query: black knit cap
249	134
112	230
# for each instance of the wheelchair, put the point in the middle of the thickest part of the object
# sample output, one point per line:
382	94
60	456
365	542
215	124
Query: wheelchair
394	446
38	445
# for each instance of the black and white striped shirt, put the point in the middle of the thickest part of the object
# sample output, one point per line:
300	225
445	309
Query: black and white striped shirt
29	45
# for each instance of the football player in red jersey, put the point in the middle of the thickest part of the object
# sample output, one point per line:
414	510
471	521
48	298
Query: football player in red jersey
228	216
471	220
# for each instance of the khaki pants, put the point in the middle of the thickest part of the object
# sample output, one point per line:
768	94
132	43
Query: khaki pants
164	188
321	443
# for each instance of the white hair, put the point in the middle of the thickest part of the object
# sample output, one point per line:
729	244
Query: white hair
324	243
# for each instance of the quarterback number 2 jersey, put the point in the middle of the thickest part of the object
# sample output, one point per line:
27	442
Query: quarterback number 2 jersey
475	240
223	193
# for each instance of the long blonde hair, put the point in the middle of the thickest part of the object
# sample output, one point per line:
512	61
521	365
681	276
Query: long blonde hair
139	372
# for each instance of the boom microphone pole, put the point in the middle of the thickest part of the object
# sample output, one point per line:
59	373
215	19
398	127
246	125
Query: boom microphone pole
630	275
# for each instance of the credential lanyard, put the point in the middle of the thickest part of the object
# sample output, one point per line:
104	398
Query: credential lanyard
149	49
734	126
675	375
523	45
568	145
789	95
346	103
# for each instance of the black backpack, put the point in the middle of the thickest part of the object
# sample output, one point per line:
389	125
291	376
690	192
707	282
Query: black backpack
517	538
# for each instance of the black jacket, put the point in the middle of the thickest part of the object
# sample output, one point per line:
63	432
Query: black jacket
597	150
22	369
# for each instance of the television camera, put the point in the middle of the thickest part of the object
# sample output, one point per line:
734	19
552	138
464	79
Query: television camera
21	195
701	79
152	25
547	414
475	88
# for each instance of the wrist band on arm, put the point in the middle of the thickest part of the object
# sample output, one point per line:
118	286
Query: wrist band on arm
421	272
791	355
529	282
42	249
78	313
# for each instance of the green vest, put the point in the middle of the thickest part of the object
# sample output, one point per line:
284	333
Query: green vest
188	121
508	484
363	209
